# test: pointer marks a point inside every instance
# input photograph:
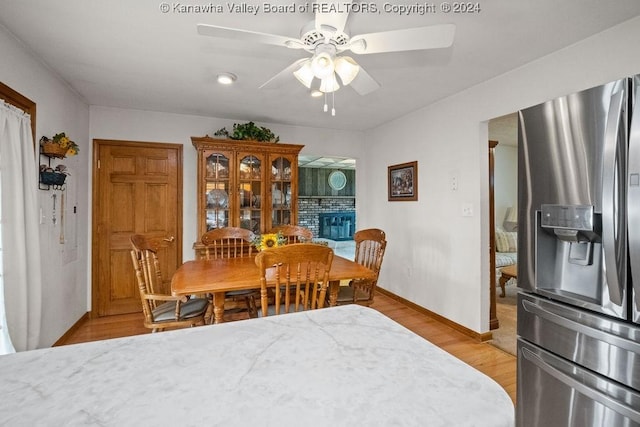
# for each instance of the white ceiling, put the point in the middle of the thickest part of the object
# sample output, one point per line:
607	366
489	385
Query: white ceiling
324	162
124	53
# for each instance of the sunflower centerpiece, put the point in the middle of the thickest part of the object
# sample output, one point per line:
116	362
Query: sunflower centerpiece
270	240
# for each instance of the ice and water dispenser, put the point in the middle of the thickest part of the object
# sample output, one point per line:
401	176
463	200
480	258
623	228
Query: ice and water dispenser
569	253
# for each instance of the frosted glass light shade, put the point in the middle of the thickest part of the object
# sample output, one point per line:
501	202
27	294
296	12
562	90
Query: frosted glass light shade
322	65
329	84
347	69
305	74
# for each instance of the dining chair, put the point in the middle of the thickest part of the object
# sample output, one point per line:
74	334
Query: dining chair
232	242
293	233
160	309
297	273
370	247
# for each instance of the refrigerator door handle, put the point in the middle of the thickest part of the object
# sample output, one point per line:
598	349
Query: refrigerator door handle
562	319
612	225
633	199
579	385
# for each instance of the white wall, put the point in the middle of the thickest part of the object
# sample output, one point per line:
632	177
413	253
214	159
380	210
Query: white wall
136	125
58	109
436	257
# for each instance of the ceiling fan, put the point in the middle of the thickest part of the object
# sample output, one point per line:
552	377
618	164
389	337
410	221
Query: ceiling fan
327	39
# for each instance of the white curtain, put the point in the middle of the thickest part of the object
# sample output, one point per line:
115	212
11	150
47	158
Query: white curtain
6	346
21	274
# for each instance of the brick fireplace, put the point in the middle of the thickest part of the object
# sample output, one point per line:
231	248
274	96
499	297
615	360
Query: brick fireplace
310	210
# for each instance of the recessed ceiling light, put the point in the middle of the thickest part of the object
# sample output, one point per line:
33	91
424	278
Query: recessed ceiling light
226	78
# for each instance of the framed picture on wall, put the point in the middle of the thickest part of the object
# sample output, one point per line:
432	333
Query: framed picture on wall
403	182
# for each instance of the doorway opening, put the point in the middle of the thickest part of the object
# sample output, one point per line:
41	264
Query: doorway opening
327	200
504	255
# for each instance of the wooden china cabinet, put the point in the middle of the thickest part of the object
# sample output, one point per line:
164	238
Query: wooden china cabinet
253	185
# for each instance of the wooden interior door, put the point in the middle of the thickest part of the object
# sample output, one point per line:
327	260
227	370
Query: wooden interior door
137	189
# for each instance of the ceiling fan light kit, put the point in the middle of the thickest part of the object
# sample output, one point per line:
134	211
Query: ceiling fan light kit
325	38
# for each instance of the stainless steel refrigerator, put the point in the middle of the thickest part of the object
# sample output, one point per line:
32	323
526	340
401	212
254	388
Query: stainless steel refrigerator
579	259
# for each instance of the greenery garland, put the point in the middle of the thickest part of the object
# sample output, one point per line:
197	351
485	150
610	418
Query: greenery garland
248	131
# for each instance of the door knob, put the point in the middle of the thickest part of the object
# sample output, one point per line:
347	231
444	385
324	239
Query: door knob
170	239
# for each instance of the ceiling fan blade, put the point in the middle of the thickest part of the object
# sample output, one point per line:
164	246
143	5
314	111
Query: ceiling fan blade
284	75
364	84
249	36
433	37
332	13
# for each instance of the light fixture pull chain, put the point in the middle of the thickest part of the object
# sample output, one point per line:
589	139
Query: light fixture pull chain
326	107
333	103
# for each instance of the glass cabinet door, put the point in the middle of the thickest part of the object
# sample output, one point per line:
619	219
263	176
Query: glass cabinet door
217	190
281	188
250	192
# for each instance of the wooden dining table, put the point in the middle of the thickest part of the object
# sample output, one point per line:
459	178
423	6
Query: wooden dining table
218	276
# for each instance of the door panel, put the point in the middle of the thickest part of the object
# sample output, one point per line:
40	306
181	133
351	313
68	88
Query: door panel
137	190
123	283
122	207
562	161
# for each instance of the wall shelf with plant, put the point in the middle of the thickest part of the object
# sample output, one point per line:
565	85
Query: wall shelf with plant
58	147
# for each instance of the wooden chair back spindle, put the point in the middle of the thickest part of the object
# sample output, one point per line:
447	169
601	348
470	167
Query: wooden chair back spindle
228	242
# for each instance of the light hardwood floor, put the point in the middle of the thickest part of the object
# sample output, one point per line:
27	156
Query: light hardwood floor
497	364
507	312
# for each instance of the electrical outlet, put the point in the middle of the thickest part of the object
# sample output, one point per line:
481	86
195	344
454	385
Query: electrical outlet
467	209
